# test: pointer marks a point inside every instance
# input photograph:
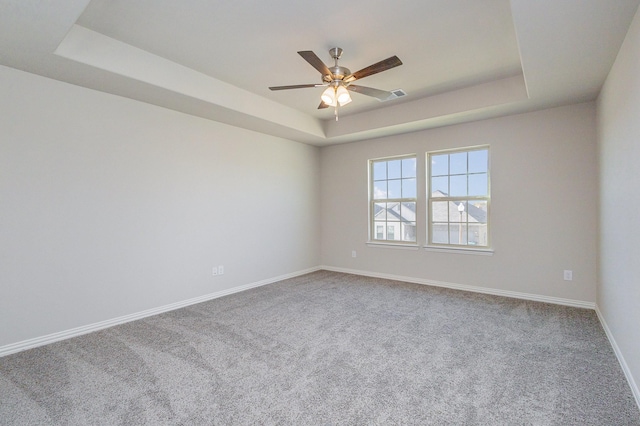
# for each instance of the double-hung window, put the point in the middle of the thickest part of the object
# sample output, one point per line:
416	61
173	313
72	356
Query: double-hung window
458	197
393	199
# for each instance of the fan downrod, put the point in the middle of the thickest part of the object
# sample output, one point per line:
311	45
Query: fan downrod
338	73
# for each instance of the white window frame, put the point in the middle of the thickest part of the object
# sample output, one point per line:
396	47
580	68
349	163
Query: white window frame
458	199
372	201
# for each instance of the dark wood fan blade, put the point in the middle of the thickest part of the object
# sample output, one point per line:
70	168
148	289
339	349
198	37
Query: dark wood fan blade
295	86
315	62
388	63
322	105
383	95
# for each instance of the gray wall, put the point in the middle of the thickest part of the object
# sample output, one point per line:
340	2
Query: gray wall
109	206
619	154
543	206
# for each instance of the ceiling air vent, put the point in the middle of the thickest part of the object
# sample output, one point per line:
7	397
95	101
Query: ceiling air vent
395	94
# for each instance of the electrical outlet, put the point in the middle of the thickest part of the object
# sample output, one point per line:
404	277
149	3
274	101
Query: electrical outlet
568	275
220	270
353	253
215	270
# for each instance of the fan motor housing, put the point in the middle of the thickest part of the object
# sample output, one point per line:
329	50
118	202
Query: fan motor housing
338	73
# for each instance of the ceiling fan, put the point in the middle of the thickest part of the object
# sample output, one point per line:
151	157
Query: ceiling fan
339	80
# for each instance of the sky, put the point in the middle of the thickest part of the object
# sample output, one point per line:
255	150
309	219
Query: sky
459	174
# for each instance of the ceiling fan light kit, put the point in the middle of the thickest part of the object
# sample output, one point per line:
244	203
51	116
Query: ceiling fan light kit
333	96
338	80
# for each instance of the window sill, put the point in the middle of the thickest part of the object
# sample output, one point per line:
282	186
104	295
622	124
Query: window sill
460	250
392	245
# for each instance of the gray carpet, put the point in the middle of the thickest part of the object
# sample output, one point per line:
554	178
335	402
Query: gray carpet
329	349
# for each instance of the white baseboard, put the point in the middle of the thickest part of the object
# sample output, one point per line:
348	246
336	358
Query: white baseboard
78	331
67	334
474	289
623	364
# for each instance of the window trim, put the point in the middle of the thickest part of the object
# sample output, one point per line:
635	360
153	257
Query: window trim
448	247
372	230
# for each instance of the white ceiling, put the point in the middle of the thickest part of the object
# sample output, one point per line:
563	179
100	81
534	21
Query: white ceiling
462	59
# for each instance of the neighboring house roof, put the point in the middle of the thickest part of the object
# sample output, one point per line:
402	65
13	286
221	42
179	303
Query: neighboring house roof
444	210
395	212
